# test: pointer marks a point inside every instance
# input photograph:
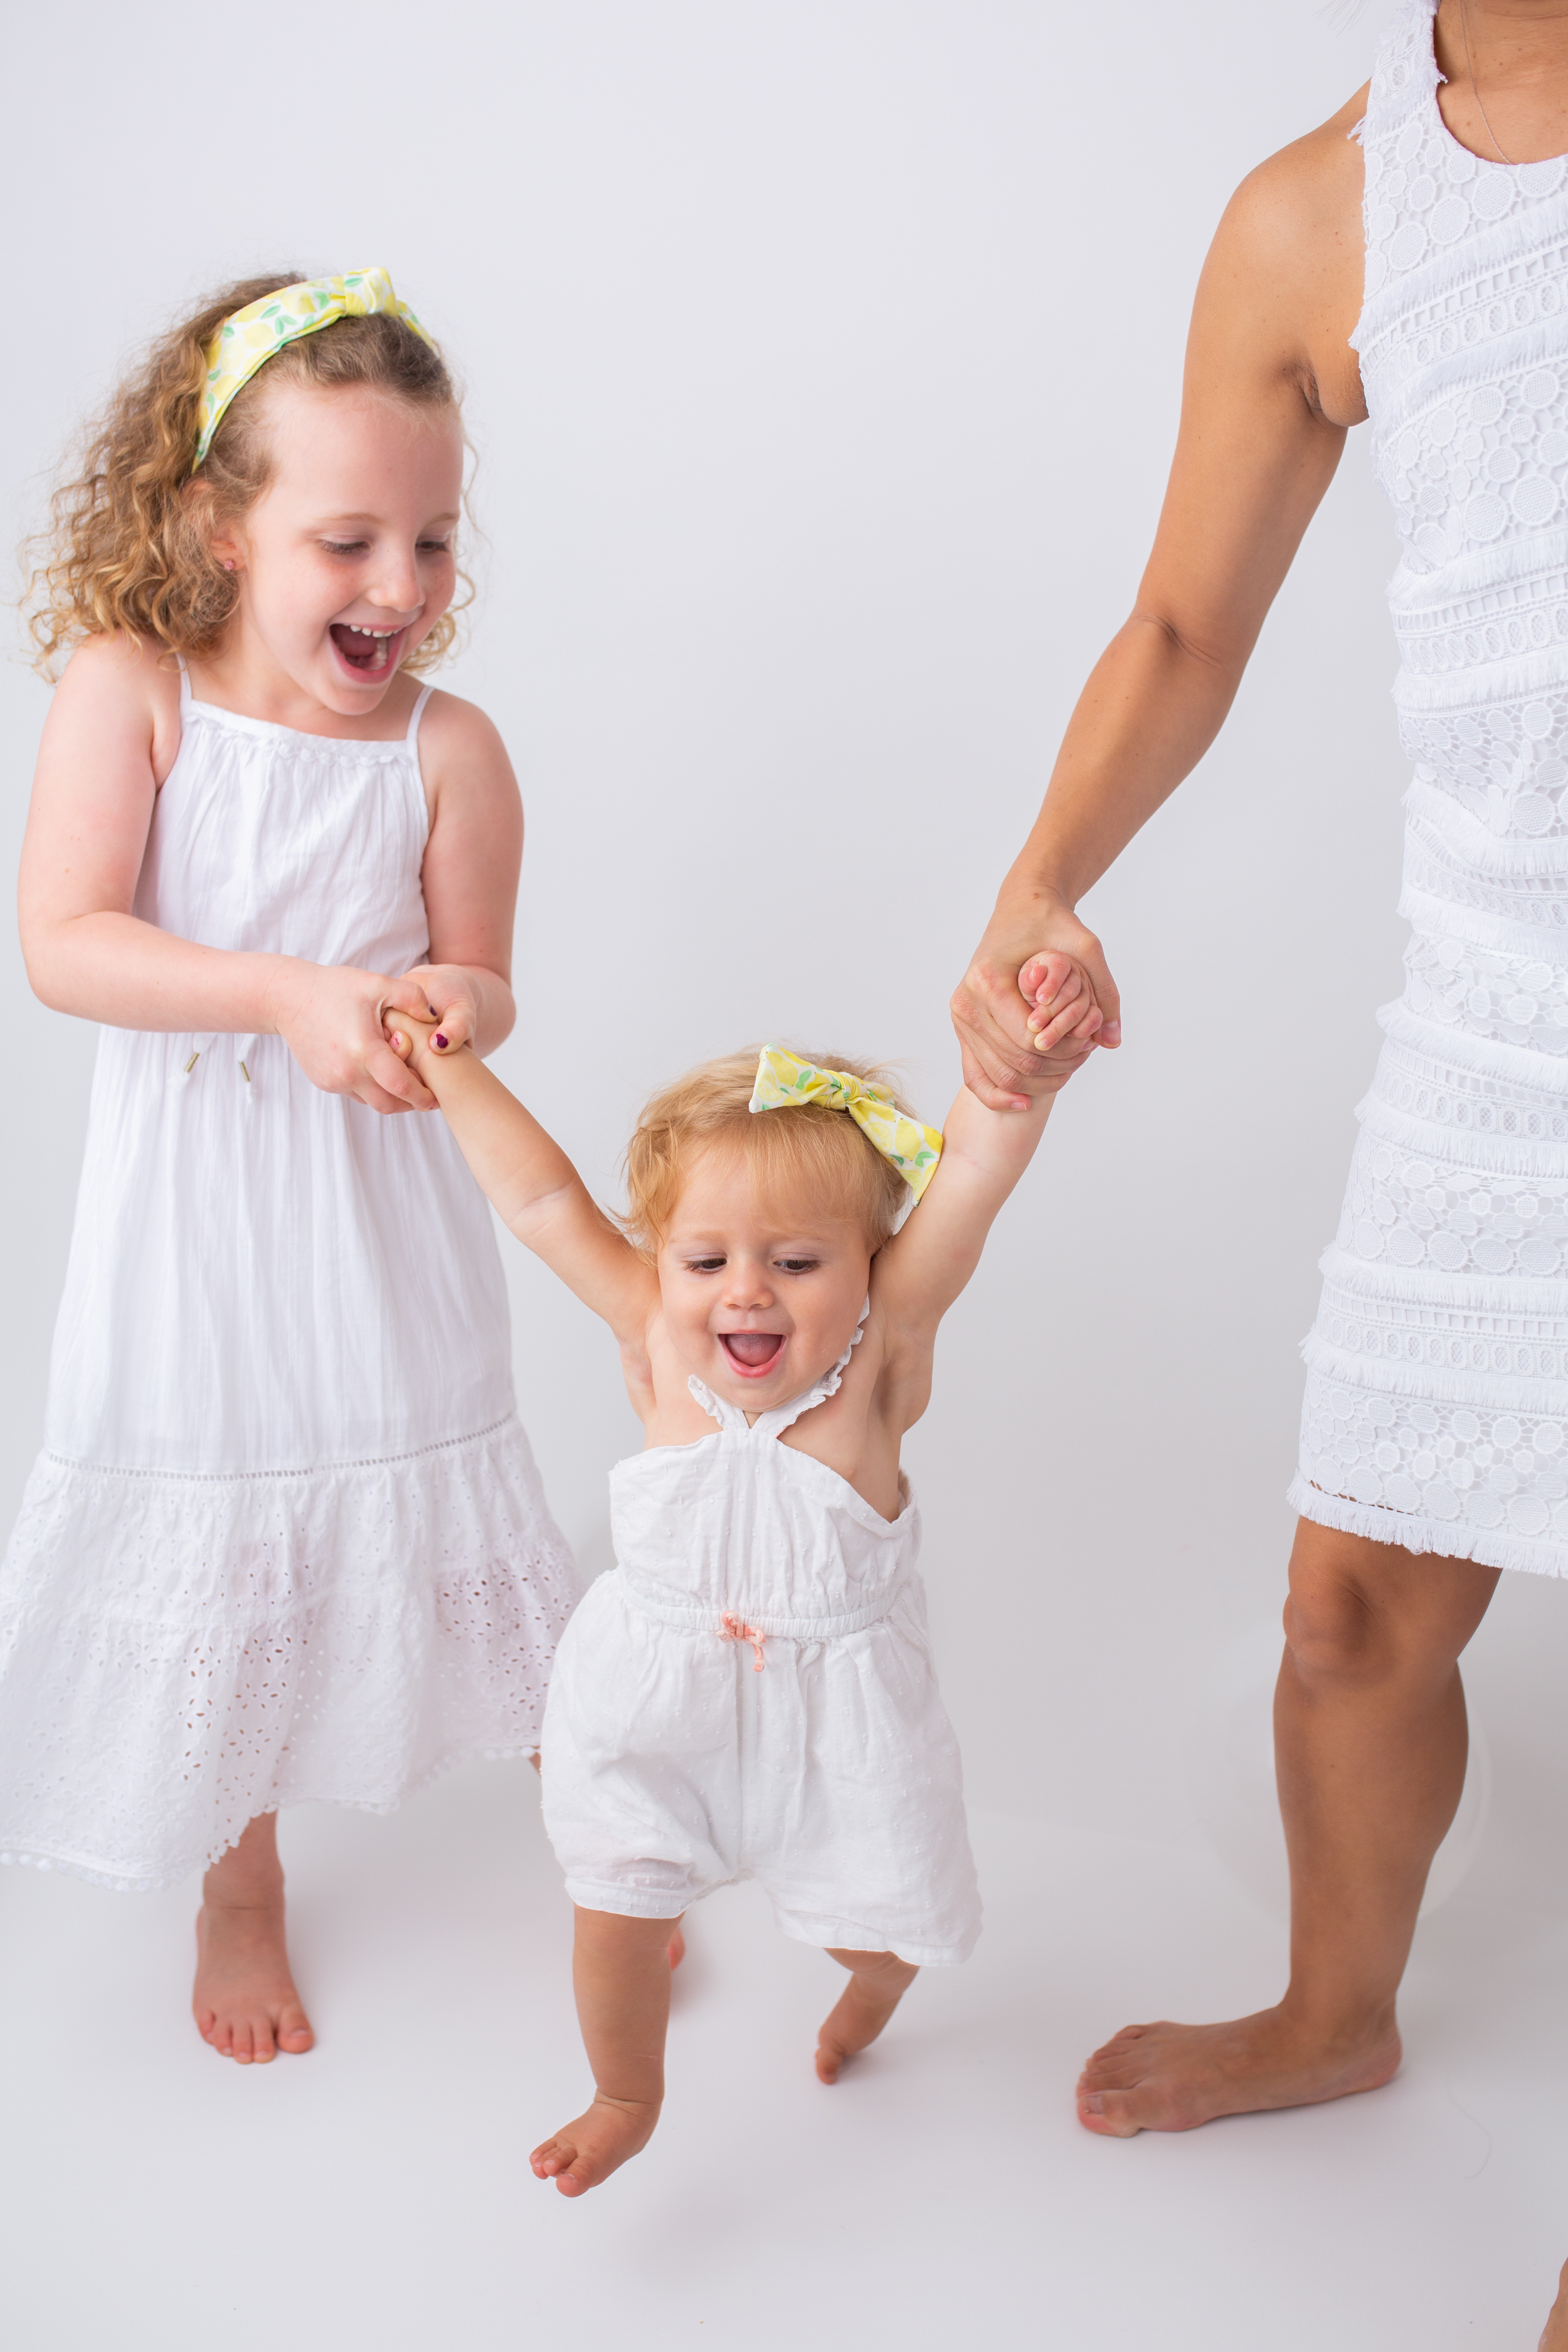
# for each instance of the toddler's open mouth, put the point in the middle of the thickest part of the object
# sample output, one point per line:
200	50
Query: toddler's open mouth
368	653
751	1352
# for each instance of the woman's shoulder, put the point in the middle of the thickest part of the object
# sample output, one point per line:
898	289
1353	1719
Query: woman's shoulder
1312	185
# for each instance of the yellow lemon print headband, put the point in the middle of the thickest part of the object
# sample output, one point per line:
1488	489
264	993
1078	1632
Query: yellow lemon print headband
247	339
784	1078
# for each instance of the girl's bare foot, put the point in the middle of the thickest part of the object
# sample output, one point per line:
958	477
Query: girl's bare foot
244	2003
1556	2338
878	1982
586	2152
1173	2077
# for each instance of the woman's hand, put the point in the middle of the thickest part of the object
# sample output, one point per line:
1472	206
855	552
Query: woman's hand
450	998
1034	1004
331	1017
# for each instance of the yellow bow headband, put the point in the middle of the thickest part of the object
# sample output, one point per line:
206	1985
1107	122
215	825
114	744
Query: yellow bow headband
246	340
784	1078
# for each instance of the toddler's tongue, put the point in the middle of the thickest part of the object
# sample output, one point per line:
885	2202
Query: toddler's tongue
753	1348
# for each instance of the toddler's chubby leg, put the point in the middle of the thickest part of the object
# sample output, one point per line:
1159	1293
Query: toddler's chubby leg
878	1982
245	2002
620	1970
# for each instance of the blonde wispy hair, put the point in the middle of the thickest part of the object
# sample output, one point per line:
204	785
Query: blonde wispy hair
806	1144
126	546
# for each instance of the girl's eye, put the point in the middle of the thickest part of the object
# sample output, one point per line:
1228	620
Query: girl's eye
345	546
435	547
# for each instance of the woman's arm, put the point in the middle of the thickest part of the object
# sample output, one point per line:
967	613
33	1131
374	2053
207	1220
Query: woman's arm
108	742
472	859
1271	388
535	1186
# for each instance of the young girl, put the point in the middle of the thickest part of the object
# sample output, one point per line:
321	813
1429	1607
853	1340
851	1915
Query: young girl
751	1694
285	1539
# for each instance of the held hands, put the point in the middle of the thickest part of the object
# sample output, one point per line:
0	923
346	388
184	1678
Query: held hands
331	1017
1027	1015
446	992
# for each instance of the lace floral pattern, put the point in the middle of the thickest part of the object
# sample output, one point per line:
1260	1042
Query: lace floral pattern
1437	1403
249	1642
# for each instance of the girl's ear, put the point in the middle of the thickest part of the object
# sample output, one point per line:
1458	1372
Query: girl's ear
221	540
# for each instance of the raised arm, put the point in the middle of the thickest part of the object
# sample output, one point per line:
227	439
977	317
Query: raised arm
916	1276
1271	388
535	1186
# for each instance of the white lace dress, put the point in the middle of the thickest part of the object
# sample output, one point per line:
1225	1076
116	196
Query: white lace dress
286	1539
1436	1403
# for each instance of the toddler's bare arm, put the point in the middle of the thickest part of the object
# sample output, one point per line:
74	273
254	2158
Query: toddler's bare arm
532	1183
917	1275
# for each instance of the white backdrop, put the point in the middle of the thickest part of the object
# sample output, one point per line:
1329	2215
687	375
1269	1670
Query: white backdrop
824	359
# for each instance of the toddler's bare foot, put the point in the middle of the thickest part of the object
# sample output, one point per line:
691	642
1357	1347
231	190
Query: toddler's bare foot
245	2002
878	1982
1172	2077
598	2144
1556	2338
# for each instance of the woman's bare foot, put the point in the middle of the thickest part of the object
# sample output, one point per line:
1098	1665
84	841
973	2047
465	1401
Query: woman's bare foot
1556	2338
1173	2077
244	2003
586	2152
878	1982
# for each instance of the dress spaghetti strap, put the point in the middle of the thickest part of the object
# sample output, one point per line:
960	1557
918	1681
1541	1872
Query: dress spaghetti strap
411	738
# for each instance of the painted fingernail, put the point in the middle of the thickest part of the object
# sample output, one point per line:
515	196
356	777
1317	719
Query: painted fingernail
440	1041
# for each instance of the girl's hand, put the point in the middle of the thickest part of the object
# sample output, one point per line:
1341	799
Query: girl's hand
448	999
331	1017
1038	946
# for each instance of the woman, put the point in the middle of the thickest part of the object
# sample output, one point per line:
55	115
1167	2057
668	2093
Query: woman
1435	1435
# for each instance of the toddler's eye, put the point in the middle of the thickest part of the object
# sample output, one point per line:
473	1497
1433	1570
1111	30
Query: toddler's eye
704	1265
799	1264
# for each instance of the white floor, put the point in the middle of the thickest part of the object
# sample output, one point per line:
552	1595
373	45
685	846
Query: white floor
376	2194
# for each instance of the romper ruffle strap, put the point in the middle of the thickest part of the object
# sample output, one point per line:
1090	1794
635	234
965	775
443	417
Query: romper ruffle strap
731	1418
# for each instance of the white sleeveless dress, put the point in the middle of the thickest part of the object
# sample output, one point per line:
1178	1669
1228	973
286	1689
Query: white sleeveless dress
1437	1402
751	1694
286	1539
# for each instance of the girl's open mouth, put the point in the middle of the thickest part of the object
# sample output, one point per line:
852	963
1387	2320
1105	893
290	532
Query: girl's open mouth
367	653
752	1352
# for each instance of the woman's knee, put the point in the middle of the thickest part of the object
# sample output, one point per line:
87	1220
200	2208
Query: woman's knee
1370	1612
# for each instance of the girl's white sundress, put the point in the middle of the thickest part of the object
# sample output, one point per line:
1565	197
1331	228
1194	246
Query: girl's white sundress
1437	1403
750	1694
286	1539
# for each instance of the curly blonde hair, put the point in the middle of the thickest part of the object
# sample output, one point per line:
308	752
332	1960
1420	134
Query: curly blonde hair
127	550
806	1147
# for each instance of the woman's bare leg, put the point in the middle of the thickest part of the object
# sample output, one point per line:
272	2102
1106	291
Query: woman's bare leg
878	1982
1370	1748
620	1970
245	2002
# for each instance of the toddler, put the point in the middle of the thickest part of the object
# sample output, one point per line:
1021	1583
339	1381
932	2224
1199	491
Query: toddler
750	1693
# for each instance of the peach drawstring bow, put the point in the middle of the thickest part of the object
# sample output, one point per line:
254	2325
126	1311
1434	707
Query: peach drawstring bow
735	1629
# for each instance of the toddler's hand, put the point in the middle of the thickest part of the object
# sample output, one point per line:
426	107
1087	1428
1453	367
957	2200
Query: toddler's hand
423	1044
449	992
1066	1020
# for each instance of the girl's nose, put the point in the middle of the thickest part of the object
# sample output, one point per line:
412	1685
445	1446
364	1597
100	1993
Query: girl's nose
397	590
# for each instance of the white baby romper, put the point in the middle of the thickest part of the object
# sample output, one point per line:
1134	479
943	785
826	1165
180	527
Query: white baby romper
671	1765
1436	1403
286	1539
